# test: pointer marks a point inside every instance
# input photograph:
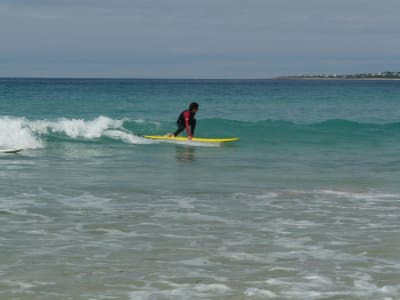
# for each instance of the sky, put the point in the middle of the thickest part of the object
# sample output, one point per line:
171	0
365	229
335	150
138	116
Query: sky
197	38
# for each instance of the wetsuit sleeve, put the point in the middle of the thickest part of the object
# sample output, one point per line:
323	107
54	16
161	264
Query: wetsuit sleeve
186	116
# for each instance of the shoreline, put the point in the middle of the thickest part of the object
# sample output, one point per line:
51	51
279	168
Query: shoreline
360	79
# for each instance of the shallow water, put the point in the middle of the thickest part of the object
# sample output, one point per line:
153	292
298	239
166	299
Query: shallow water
304	206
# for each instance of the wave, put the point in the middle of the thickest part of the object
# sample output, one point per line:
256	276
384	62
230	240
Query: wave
15	134
20	132
324	132
327	124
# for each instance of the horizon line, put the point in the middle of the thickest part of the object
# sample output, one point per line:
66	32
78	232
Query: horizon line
132	78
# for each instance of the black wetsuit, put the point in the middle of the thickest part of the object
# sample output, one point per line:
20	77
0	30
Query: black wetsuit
186	121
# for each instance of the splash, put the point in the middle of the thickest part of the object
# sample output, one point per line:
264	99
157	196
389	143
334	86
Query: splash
19	132
16	133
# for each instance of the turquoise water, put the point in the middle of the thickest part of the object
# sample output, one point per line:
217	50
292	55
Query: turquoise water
305	206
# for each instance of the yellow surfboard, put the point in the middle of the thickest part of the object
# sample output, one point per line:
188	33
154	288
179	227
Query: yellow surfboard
195	139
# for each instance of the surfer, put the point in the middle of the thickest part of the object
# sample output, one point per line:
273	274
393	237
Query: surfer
187	121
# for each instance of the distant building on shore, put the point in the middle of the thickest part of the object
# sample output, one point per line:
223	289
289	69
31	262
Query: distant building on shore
377	75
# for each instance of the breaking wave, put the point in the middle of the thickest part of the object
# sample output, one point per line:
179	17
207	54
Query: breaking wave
19	132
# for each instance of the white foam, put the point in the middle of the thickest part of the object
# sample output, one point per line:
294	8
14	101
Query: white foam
15	133
182	291
18	132
87	129
247	257
86	201
213	287
358	195
270	195
255	292
77	127
142	121
192	143
127	137
24	285
295	223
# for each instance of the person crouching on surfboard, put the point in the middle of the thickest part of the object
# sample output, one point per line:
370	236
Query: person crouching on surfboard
187	121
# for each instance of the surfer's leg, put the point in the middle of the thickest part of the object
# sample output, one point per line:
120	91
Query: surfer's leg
180	129
193	126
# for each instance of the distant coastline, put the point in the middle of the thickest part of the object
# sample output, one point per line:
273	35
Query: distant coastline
388	75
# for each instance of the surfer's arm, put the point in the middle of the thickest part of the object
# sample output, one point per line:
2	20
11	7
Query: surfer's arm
186	115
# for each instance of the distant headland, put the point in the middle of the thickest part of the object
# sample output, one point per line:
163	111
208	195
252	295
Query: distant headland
361	76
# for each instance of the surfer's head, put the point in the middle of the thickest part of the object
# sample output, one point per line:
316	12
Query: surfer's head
194	107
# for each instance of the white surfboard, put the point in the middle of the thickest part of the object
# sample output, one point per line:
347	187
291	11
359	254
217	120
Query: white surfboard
14	151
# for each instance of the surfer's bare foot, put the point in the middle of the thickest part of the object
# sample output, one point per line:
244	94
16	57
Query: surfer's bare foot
171	135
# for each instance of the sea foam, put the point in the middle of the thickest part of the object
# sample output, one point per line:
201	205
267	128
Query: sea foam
16	133
19	132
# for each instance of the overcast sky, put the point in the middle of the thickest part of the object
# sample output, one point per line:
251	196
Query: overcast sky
197	38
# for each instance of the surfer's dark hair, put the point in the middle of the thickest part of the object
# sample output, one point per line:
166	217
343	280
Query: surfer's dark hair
194	105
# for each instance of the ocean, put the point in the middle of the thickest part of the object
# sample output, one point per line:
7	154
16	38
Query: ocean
306	205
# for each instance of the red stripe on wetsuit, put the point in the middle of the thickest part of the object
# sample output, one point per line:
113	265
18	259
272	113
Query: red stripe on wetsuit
186	115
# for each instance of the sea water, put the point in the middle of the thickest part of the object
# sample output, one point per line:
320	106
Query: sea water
305	206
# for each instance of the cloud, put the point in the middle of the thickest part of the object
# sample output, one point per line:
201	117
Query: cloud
212	38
